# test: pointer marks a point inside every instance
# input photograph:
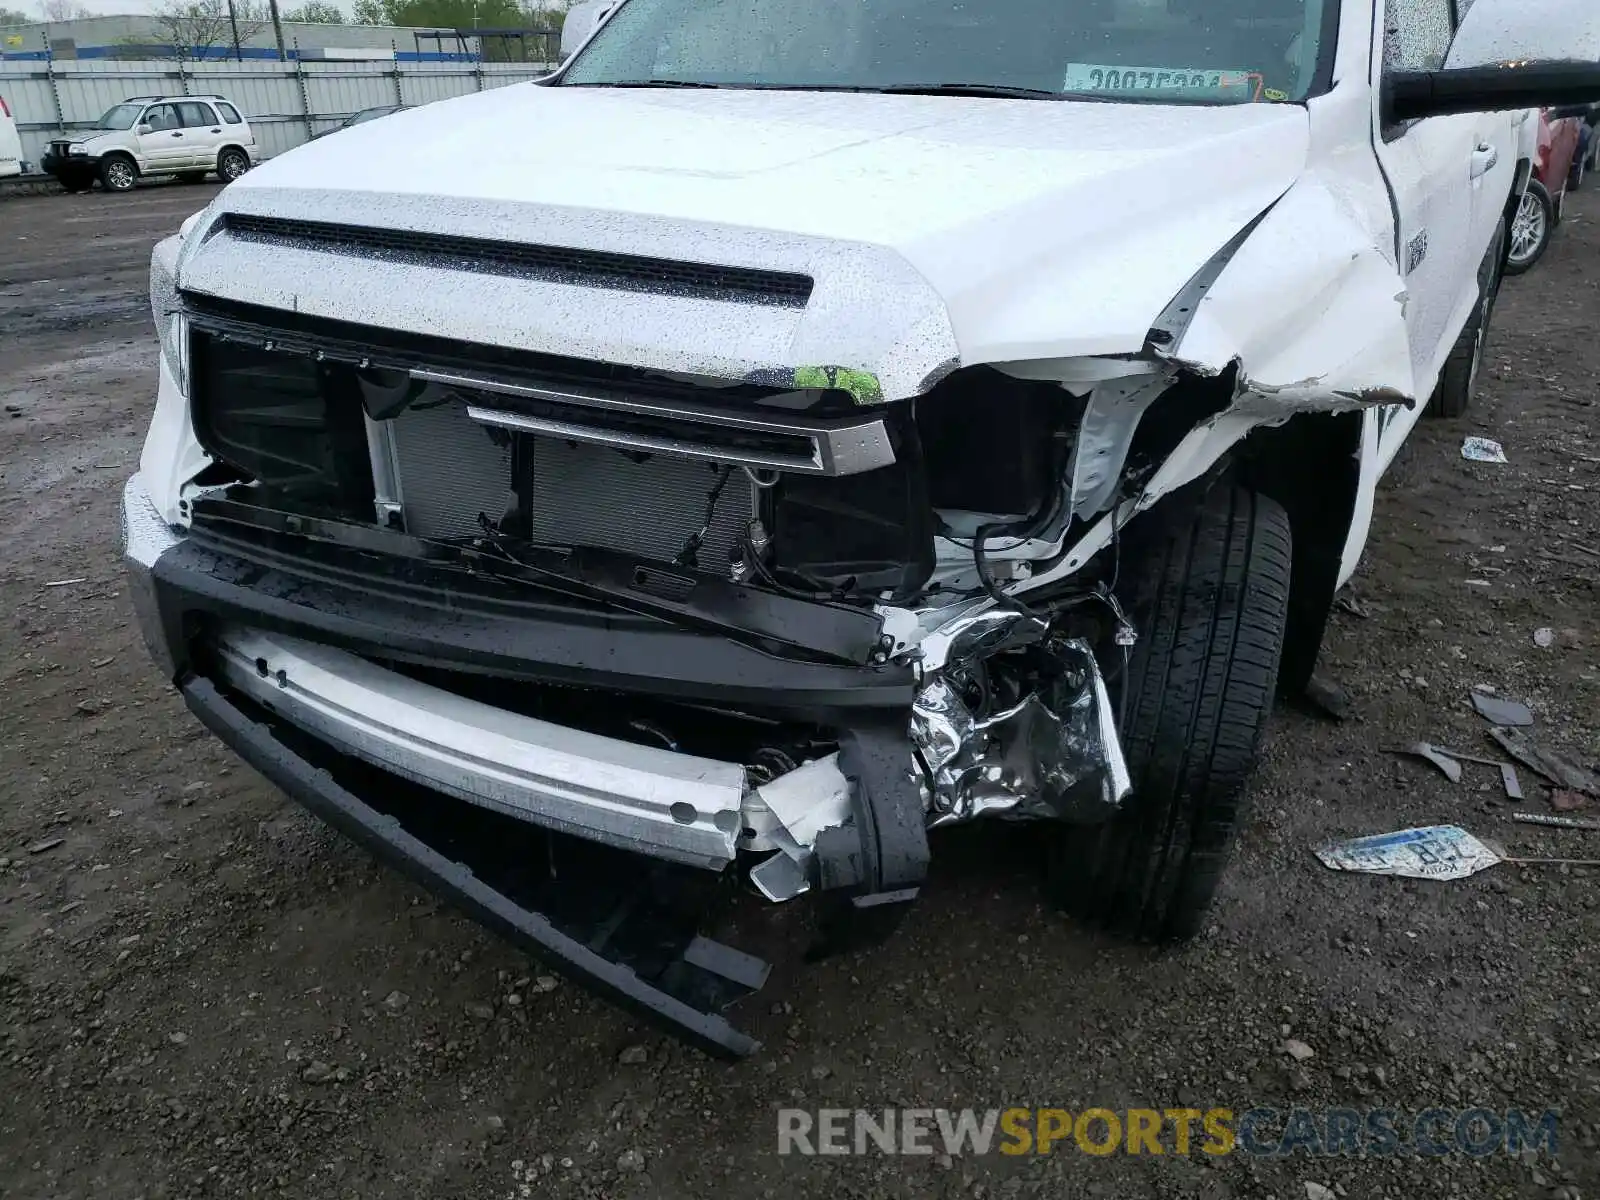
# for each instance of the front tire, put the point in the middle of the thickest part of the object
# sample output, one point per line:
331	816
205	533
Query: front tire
1211	604
231	164
118	173
1458	382
1531	228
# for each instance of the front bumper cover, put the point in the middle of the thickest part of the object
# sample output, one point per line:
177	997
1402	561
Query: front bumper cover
73	164
683	990
349	739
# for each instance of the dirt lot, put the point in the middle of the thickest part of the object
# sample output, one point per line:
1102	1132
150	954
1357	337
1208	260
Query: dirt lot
179	944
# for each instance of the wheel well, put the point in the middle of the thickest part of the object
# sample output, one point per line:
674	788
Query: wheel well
1311	465
221	150
1513	201
122	154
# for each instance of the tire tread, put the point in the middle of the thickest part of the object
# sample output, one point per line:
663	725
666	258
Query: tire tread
1201	683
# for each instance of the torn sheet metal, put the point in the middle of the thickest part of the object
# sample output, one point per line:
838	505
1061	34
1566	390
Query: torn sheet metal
1502	712
1450	767
1315	324
1105	434
1054	754
1559	770
1440	852
788	814
976	635
1508	778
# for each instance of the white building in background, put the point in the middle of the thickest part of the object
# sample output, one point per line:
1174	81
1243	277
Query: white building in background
143	37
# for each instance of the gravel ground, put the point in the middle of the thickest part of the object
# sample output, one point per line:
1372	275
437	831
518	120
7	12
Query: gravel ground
203	992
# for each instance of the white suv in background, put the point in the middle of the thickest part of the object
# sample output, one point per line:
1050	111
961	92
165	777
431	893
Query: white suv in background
10	142
187	136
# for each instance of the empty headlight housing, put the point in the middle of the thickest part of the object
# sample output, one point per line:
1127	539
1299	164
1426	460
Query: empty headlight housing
166	309
175	347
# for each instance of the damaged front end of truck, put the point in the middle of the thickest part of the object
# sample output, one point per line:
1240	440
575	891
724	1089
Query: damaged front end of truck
714	578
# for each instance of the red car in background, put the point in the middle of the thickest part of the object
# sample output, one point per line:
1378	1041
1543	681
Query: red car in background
1540	212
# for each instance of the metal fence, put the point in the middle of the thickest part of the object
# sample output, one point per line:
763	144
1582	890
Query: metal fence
286	103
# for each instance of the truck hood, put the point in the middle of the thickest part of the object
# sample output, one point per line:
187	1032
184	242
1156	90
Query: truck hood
938	230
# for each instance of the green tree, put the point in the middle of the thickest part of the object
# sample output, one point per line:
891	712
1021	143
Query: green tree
315	12
14	16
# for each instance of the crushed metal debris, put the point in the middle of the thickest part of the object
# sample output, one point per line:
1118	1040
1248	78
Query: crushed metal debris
1559	770
1437	757
1502	712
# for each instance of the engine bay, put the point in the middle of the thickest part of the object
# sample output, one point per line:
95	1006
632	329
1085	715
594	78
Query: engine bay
799	492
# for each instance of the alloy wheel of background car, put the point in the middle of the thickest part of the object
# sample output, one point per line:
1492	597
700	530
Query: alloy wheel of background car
118	174
1530	228
1210	597
231	165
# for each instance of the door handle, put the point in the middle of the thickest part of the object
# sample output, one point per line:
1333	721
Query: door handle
1484	159
177	135
217	130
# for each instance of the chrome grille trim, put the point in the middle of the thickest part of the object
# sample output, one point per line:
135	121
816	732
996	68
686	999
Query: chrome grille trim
846	446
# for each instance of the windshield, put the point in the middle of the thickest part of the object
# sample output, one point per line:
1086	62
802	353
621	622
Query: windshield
120	116
1197	51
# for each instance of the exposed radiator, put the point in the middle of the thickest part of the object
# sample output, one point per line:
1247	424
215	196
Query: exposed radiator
449	471
451	468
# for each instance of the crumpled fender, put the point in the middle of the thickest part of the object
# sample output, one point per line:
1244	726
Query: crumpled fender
1312	323
1309	310
1315	323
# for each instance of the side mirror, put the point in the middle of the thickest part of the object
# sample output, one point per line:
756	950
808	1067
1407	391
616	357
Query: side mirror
144	129
1507	54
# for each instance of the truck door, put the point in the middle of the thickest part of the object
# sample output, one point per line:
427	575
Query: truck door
1439	171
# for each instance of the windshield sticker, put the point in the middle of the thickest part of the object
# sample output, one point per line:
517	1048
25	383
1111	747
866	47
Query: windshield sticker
1176	81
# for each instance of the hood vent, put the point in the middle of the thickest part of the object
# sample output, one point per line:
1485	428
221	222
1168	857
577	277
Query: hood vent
560	264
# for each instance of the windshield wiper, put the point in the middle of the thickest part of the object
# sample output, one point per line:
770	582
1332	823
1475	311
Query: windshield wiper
647	83
968	89
998	90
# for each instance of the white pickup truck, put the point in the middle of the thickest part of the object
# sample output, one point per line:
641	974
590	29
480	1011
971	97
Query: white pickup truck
835	422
